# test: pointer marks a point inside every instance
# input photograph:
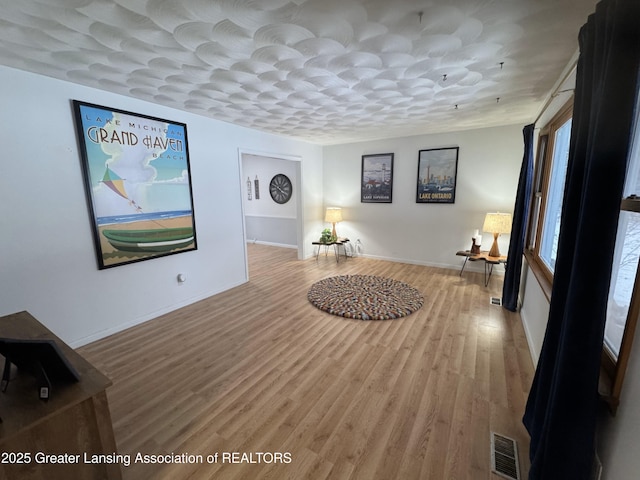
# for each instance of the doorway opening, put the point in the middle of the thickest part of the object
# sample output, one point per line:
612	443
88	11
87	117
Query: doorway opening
271	200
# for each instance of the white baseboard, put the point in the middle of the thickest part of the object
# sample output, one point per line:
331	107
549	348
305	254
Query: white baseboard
528	336
271	244
477	267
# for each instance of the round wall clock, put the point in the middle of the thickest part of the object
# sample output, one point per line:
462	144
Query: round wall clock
280	188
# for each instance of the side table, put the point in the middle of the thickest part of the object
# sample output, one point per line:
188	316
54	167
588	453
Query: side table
489	262
75	421
340	242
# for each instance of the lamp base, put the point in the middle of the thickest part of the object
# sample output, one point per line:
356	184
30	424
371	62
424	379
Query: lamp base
333	232
495	251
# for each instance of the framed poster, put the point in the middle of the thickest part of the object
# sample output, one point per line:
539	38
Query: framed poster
138	183
437	171
376	182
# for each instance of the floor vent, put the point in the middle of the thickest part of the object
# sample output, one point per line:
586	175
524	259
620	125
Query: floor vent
495	301
504	456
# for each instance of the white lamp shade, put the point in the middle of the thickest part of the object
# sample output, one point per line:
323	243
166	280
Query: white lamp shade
497	223
333	215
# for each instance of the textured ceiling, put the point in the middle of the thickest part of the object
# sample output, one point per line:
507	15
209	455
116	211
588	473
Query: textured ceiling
326	71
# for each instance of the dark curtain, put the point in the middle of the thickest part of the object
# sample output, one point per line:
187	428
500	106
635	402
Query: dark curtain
562	406
511	285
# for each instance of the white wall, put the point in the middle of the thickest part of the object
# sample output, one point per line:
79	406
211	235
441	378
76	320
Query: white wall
488	168
47	257
534	311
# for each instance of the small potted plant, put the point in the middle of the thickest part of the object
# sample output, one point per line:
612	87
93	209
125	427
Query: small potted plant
326	236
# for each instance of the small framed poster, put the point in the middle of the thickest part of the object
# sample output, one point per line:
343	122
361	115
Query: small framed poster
376	181
437	172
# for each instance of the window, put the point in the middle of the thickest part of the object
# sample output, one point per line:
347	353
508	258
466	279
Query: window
549	180
623	277
623	306
555	191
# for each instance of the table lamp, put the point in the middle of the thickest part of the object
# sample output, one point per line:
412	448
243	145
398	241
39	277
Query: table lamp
333	216
496	223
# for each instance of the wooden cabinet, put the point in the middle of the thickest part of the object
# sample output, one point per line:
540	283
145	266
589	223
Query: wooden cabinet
57	438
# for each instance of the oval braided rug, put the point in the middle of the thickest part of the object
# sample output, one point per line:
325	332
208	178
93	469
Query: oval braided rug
365	297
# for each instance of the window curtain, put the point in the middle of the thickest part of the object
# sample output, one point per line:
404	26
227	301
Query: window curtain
511	285
562	406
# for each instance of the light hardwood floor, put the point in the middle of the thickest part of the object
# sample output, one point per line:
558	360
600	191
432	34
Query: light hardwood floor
259	369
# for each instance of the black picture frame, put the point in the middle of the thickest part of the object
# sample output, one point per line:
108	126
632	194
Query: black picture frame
138	184
437	175
376	180
41	358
